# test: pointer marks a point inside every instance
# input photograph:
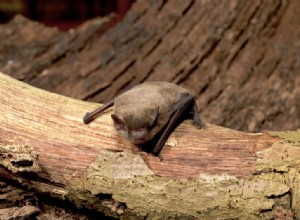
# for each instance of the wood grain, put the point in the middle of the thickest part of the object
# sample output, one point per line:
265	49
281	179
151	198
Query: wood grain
52	125
209	172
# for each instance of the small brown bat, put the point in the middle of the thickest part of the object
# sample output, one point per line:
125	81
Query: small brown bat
149	110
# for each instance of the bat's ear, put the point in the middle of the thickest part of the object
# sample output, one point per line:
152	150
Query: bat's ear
119	123
153	116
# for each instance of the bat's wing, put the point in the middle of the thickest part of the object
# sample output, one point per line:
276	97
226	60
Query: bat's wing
185	106
89	116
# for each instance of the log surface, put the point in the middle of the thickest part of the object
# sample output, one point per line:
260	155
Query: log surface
207	173
53	124
239	58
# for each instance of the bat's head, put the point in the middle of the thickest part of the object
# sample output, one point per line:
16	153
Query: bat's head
136	124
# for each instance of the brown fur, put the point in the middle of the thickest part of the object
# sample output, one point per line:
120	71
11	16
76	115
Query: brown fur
145	109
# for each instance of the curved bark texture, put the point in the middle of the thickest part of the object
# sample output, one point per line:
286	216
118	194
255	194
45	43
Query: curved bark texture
239	58
205	173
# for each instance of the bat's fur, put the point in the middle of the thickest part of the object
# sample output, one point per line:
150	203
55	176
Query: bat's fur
143	111
146	109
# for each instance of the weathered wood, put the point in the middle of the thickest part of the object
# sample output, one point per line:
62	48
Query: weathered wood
239	58
45	119
211	172
16	203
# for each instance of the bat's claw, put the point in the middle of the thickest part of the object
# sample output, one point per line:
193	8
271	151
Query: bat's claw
160	157
198	125
87	118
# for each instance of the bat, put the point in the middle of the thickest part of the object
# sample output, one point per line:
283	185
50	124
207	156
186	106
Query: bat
150	111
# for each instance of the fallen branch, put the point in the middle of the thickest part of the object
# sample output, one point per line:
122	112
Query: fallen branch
211	172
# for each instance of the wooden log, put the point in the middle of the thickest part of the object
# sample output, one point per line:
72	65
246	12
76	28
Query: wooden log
207	173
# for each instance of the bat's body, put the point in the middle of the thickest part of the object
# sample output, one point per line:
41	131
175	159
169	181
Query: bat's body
149	108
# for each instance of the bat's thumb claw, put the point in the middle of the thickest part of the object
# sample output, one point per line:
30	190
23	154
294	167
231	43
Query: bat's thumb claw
160	157
86	118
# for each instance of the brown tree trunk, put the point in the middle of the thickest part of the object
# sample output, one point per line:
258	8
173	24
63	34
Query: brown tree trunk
206	173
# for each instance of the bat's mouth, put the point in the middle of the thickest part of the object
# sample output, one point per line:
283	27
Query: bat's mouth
139	141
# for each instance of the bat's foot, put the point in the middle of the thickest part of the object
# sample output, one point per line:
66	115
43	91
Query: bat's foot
197	124
195	116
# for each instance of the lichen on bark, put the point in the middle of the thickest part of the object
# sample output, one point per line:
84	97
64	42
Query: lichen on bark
19	158
128	180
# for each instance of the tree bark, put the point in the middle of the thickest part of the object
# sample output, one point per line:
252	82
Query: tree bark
207	173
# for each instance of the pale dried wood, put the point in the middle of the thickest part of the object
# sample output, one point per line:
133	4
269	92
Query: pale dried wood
83	162
52	125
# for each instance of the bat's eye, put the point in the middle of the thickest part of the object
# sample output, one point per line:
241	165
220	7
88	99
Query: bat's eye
119	123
